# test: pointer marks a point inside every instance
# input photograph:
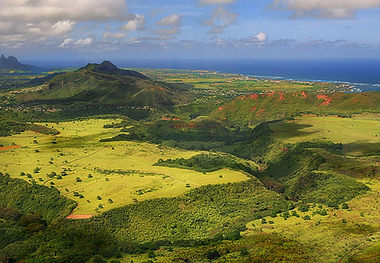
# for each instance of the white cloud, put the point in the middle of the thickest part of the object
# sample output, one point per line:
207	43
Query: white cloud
255	40
220	19
38	20
62	27
57	10
261	37
137	22
325	8
66	42
170	20
83	42
69	42
169	26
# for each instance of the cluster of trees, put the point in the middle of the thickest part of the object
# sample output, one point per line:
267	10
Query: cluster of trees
209	163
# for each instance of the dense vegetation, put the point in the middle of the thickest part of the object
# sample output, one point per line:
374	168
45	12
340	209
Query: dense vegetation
33	199
210	163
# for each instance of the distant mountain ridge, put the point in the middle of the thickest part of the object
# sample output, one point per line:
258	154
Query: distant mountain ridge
11	63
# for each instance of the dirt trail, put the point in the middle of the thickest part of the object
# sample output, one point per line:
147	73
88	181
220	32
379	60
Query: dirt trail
79	216
10	147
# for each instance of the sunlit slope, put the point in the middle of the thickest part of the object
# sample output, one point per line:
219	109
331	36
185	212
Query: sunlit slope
271	106
102	175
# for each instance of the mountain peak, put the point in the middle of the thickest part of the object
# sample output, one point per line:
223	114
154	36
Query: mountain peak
107	66
11	62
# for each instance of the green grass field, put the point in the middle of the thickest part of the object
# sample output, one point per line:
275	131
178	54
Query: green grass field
120	171
359	134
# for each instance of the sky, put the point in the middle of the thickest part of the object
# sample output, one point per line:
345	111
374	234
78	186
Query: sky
172	29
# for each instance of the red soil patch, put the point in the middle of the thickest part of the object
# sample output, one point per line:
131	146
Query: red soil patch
220	108
284	149
79	216
327	100
271	94
304	94
260	112
253	108
282	96
254	96
10	147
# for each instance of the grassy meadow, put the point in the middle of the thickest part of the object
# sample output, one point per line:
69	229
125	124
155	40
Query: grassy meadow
102	175
338	233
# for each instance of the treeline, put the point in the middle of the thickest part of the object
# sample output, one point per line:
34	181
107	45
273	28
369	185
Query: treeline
10	127
209	163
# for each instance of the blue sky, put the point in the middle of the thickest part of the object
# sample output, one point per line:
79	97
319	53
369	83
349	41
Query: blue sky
51	29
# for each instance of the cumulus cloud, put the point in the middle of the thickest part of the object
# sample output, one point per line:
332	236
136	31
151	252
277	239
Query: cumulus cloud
259	38
38	20
136	22
220	19
169	26
170	20
69	42
56	10
325	8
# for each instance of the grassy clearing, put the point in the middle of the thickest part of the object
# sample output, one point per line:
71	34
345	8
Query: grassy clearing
360	128
103	175
339	234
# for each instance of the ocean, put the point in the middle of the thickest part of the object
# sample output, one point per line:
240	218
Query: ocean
363	74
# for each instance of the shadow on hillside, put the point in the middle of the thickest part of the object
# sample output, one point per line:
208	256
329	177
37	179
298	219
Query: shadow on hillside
285	130
363	148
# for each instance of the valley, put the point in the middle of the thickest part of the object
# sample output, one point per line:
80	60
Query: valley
100	164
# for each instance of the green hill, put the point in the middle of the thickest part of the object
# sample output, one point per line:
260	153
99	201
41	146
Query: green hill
257	108
107	85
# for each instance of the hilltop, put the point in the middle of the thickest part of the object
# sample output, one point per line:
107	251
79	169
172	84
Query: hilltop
107	85
11	63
